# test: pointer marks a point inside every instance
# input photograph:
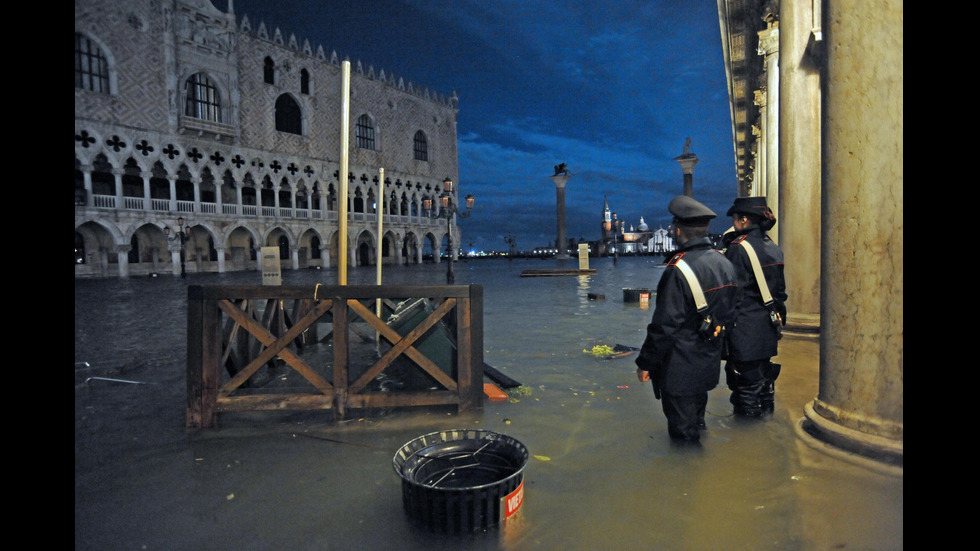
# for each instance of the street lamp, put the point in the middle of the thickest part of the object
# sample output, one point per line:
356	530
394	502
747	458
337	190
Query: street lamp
447	209
183	236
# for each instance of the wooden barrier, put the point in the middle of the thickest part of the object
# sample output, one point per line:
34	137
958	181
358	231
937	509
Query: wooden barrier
258	347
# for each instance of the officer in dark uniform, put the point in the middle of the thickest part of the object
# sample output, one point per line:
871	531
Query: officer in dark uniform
682	350
752	341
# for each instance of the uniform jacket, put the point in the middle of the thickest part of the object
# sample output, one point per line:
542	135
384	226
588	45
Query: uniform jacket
680	360
753	337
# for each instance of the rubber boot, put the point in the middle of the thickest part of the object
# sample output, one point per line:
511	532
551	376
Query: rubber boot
747	398
768	397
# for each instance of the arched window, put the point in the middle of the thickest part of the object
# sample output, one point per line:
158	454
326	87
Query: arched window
269	71
365	132
203	101
421	147
288	117
304	81
91	66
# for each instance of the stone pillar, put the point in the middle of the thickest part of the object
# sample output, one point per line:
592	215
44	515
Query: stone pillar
122	254
173	193
196	182
147	198
175	257
117	174
798	225
221	259
562	242
769	50
859	406
87	179
760	149
688	160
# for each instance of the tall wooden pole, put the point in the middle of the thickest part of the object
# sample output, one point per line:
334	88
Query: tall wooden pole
344	153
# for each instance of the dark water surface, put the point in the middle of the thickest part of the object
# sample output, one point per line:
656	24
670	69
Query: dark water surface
602	475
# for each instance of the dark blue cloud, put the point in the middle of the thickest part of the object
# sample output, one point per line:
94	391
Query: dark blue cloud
611	88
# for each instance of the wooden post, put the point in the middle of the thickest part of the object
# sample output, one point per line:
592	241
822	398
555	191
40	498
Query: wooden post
341	355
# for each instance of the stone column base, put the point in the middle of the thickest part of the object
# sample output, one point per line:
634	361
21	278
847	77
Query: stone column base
821	422
802	325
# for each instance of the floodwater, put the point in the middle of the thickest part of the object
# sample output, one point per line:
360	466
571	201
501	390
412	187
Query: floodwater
603	474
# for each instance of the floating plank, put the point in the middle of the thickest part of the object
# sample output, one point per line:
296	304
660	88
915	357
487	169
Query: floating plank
556	272
498	377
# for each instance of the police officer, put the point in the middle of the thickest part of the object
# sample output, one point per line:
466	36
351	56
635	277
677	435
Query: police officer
681	354
752	342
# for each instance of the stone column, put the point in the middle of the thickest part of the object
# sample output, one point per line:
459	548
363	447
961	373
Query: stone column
562	245
221	259
87	182
688	160
196	182
147	200
798	225
173	193
122	254
117	174
760	149
769	50
859	406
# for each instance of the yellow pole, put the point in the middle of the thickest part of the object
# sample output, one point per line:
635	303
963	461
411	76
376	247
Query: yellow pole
380	212
344	153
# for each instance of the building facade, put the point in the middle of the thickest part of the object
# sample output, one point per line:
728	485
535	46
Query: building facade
200	139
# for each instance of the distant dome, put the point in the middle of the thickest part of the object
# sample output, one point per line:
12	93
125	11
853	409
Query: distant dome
643	225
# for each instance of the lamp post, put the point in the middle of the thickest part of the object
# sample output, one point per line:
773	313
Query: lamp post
447	209
183	236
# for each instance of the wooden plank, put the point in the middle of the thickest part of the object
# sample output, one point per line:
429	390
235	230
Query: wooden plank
341	357
275	347
402	345
195	359
499	378
556	272
275	402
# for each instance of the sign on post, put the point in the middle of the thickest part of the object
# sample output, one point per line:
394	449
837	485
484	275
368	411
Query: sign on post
271	267
583	256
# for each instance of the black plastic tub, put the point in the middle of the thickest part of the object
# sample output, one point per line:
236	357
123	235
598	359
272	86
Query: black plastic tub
461	480
636	295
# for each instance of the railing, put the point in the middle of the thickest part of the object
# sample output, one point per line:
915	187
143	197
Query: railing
133	203
205	207
104	201
242	342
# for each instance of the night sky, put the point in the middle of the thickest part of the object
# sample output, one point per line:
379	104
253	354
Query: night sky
613	89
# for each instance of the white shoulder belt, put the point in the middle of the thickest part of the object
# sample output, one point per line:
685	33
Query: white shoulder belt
692	281
759	278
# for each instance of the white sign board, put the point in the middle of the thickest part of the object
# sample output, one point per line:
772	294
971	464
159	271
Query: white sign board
271	267
583	256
